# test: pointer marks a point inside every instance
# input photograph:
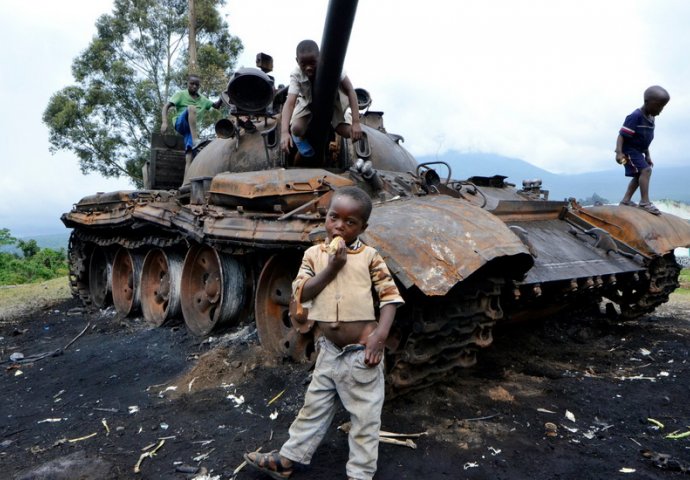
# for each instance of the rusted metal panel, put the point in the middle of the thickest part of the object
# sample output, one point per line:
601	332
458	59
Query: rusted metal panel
112	218
523	210
159	213
650	234
275	182
561	255
435	242
257	231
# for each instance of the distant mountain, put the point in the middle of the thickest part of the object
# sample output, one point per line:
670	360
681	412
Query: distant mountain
667	182
54	241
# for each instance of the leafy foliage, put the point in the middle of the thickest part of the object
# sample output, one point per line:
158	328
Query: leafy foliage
6	238
131	67
37	264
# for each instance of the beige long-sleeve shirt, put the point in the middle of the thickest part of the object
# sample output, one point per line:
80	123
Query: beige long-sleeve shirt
348	297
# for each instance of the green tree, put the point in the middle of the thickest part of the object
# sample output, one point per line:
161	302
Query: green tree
136	60
28	247
6	238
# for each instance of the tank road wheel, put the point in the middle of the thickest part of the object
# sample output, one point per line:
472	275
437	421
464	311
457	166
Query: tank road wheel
100	277
161	275
126	277
271	307
212	289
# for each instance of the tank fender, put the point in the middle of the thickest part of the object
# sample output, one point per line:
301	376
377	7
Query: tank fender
650	234
434	242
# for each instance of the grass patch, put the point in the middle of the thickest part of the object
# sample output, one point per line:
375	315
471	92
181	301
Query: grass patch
684	279
16	300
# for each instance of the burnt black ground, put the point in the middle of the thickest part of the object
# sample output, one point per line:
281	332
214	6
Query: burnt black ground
483	423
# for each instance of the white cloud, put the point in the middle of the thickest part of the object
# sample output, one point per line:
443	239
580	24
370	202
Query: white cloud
548	82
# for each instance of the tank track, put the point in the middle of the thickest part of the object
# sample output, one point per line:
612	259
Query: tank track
445	334
663	275
78	263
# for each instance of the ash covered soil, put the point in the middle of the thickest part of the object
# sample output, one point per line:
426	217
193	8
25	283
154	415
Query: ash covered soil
89	410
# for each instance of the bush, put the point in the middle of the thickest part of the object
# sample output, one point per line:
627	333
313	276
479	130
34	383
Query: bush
38	264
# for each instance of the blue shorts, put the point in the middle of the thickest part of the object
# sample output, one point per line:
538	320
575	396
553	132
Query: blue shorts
635	166
182	127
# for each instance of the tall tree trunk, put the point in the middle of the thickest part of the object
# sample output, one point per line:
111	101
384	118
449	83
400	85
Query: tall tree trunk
192	38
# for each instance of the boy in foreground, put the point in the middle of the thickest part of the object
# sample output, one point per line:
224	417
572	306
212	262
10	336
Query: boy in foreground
632	147
350	359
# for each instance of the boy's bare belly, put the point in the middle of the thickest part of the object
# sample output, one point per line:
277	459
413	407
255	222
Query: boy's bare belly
348	333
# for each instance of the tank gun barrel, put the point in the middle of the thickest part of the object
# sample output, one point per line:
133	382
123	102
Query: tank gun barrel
336	36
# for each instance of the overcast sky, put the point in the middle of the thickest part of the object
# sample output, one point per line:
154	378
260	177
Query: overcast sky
549	82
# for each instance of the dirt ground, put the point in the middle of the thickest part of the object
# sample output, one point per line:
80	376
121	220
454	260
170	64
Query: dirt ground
90	409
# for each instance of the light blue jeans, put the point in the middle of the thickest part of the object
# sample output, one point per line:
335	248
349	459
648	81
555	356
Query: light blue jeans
343	373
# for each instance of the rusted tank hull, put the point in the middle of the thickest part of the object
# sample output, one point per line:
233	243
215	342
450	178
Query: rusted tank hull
433	243
650	234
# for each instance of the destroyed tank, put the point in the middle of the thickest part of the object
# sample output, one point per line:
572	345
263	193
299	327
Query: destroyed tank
223	247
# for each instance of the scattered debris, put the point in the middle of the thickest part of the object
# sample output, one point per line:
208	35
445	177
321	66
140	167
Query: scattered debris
137	467
570	416
274	415
675	435
469	465
408	442
51	420
133	409
277	396
665	461
189	469
551	429
203	456
21	359
543	410
627	470
238	400
85	437
189	386
110	410
241	466
656	423
16	357
390	437
637	377
105	424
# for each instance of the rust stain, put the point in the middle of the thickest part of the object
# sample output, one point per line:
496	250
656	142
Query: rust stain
650	234
438	241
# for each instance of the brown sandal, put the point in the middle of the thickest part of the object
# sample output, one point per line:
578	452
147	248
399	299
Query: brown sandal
650	207
268	464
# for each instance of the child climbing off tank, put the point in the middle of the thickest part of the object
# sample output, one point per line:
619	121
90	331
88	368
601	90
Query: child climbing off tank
632	147
296	113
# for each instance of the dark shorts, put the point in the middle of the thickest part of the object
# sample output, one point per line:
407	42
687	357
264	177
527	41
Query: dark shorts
182	127
635	166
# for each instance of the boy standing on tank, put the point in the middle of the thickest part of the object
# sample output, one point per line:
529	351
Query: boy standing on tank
350	351
190	106
296	112
632	146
